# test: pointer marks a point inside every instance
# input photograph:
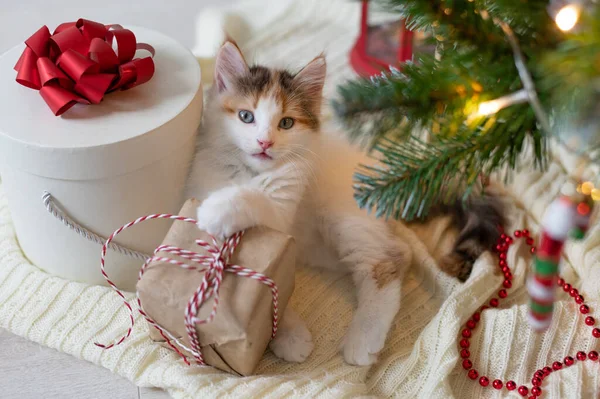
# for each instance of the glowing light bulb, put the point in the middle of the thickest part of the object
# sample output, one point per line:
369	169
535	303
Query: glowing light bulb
587	187
491	107
488	108
567	17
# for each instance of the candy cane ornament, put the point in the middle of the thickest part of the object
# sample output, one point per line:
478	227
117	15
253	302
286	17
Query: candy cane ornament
557	224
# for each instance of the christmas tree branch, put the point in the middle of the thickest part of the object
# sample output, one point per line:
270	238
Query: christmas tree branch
490	52
414	175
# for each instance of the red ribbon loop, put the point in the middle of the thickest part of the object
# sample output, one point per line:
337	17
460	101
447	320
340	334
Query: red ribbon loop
77	63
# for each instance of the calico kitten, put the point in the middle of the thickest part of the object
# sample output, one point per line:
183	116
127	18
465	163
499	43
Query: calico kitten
262	160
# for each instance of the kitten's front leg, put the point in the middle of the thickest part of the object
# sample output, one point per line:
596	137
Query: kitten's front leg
226	212
269	199
293	342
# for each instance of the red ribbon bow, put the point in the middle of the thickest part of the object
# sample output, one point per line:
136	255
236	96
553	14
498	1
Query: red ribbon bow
77	63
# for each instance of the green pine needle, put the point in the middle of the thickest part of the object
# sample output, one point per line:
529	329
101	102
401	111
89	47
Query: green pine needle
440	97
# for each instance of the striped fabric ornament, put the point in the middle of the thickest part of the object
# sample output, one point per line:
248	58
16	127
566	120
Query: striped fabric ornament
557	224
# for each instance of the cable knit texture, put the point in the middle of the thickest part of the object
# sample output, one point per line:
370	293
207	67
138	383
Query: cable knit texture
421	356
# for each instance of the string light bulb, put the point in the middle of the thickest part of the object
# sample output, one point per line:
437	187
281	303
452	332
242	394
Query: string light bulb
491	107
566	18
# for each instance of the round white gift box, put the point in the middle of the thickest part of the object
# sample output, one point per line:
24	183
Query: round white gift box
104	164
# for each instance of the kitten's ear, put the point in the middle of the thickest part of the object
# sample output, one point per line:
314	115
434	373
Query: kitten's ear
312	77
230	64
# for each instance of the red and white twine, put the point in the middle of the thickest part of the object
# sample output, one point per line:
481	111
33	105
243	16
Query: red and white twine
213	264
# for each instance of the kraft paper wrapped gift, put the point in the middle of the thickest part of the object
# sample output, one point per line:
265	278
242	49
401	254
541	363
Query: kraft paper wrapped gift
238	336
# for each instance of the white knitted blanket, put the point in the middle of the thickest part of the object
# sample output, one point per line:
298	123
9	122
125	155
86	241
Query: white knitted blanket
421	357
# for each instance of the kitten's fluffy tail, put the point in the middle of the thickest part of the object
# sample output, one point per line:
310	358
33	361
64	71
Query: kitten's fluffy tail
477	219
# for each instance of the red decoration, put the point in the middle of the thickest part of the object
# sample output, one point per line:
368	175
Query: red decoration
557	366
77	63
523	390
569	361
539	375
380	47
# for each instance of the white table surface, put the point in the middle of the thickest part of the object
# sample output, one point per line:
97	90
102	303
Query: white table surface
28	370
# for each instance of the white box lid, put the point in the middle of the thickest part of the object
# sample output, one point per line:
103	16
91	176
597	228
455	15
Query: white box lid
126	131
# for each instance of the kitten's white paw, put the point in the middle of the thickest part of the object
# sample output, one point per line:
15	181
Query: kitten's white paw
293	345
220	216
363	341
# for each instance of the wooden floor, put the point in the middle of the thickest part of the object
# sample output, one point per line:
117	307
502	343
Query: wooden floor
34	372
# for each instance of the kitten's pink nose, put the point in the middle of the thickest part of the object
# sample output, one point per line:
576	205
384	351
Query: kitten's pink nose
265	144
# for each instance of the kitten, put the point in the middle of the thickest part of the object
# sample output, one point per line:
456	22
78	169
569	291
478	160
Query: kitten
261	160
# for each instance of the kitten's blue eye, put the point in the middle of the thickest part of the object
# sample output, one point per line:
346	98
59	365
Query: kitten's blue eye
286	123
246	116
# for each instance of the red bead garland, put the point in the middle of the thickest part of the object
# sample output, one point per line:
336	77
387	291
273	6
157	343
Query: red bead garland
523	390
569	361
538	377
557	366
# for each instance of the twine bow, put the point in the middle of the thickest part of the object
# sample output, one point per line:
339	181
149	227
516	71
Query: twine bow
77	63
213	264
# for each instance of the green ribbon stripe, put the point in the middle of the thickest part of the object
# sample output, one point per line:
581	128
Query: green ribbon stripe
541	309
545	267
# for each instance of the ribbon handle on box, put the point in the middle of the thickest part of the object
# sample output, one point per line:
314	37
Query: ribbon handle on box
54	209
213	265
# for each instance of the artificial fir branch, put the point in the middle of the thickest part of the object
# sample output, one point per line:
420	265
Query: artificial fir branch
414	175
441	97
